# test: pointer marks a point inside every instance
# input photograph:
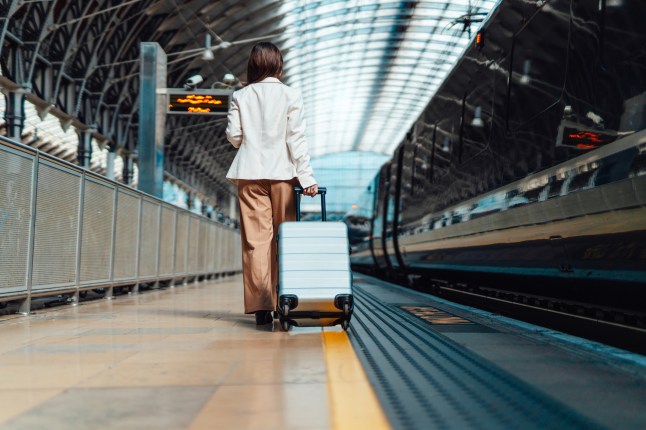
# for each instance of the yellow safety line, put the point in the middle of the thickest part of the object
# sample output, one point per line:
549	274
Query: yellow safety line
353	403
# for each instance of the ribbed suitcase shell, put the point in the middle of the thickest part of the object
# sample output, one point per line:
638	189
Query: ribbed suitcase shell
314	265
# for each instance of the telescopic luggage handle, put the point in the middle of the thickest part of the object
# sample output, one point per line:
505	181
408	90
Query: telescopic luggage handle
299	191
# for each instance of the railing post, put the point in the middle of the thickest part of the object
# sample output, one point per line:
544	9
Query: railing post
25	305
187	251
109	290
135	289
79	240
174	269
160	210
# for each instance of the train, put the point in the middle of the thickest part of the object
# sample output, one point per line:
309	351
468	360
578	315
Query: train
527	168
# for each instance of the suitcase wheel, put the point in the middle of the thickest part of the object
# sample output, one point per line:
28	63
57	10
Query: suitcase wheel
286	309
284	324
345	324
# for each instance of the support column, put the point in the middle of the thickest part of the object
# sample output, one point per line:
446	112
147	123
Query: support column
84	152
128	169
152	118
233	207
15	113
109	167
190	201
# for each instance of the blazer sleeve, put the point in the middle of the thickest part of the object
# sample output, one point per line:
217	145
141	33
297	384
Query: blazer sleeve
297	143
234	125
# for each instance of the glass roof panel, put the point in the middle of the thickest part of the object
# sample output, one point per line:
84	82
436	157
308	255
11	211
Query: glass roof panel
367	70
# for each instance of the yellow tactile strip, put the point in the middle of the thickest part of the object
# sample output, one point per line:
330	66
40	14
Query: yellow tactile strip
352	401
435	316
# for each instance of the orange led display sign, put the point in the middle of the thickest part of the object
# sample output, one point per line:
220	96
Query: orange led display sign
480	37
201	103
578	136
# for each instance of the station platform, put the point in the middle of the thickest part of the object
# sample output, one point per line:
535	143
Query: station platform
182	357
187	357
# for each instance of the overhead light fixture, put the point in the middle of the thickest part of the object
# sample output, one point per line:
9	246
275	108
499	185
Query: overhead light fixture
527	66
207	55
567	111
446	144
477	118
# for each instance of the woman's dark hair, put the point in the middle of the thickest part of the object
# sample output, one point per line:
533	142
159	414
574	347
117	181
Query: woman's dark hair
265	60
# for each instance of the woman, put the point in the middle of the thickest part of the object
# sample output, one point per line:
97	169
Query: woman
266	124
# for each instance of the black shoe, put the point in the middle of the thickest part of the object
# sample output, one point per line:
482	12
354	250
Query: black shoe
263	317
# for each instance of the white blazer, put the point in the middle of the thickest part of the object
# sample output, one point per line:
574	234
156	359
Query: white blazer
266	123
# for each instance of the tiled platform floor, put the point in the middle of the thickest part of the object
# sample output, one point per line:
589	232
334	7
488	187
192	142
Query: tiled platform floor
184	357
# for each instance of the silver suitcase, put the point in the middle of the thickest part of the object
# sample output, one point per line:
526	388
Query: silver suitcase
314	276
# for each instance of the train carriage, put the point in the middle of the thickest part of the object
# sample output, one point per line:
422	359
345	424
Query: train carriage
529	163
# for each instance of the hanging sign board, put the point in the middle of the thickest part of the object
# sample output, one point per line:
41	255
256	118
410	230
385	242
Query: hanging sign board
199	102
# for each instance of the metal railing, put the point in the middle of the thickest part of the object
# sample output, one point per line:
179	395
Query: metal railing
64	229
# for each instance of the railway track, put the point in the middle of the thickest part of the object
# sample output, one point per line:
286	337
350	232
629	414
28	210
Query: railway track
621	328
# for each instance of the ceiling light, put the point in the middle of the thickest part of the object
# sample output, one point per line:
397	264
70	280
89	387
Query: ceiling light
524	78
228	79
207	55
477	120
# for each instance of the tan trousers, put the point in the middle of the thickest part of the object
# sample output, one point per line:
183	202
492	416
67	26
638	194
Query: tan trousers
264	204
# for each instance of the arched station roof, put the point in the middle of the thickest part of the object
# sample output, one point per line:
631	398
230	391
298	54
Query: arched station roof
366	68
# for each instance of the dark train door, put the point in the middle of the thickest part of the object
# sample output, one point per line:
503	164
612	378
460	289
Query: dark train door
393	251
391	214
375	203
378	223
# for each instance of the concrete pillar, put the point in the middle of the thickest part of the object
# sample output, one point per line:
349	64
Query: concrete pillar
152	118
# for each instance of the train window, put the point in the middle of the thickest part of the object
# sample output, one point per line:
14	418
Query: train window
535	190
583	181
556	185
515	198
537	70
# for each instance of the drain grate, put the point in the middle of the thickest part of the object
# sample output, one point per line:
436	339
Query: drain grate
425	380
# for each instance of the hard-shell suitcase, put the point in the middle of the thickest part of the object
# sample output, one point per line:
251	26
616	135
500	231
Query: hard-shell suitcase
314	280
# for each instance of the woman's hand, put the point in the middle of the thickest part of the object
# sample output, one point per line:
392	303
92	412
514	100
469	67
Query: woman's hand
311	191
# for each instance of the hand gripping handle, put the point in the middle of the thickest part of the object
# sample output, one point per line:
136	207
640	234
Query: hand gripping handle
299	190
